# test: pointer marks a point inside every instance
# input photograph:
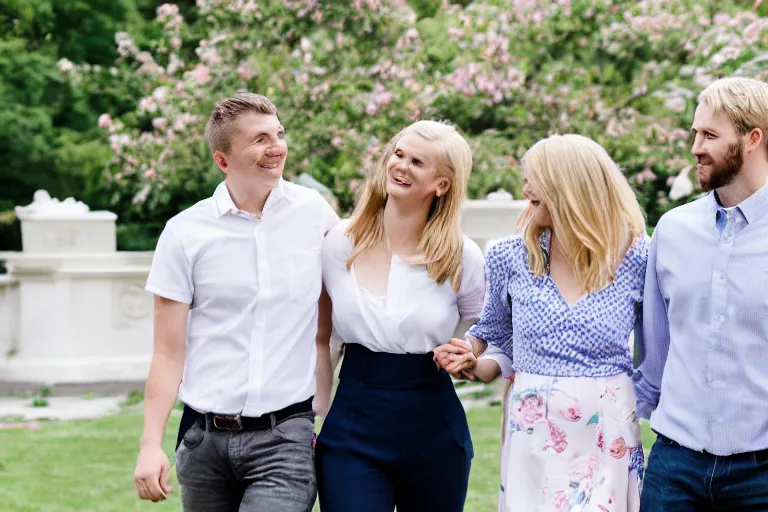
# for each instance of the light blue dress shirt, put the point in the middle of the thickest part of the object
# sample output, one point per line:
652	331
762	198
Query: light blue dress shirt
704	346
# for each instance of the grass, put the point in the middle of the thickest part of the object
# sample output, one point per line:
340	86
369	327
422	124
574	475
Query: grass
88	466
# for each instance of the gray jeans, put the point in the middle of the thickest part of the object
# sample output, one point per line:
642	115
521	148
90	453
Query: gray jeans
268	470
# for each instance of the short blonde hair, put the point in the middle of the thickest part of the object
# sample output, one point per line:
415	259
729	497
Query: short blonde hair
744	101
218	129
595	214
442	241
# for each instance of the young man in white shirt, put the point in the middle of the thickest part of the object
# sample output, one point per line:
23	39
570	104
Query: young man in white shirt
237	278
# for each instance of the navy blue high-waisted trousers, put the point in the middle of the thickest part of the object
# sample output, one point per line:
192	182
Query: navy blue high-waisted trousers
396	435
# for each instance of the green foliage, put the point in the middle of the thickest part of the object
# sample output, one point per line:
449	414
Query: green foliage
41	397
346	77
425	8
48	134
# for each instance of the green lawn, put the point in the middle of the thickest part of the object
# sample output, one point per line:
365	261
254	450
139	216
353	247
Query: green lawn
88	466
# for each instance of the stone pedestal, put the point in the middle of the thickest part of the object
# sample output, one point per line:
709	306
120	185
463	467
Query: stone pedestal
80	308
487	220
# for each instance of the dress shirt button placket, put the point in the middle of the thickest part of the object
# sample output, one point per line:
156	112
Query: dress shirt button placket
256	349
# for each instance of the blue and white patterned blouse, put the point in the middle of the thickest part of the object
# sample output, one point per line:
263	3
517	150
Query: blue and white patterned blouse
527	318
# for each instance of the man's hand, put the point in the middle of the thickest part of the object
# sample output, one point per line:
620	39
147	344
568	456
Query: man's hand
151	475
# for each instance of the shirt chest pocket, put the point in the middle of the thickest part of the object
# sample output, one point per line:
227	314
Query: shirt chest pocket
304	275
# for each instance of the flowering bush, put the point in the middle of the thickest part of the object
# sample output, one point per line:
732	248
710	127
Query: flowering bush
346	76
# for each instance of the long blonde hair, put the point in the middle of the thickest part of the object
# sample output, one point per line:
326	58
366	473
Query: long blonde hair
441	241
594	211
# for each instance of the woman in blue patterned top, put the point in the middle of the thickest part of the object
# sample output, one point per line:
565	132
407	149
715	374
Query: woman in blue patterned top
562	299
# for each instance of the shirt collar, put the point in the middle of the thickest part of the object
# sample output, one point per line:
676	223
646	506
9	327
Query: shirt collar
752	208
223	203
756	205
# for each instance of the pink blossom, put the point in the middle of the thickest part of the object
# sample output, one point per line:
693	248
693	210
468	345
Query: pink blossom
117	142
209	56
317	16
65	65
159	94
757	4
752	32
383	98
184	120
160	123
337	142
125	45
245	72
201	74
371	109
174	63
175	42
142	195
167	10
105	121
147	104
150	173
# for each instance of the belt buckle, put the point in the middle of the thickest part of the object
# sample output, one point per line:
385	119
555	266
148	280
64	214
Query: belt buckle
228	422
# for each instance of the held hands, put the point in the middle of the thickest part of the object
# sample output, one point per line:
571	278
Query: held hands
457	358
151	475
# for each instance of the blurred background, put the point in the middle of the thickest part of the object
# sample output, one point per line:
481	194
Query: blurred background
106	101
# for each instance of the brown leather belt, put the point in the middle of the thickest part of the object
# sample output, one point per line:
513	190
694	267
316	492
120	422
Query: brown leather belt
236	422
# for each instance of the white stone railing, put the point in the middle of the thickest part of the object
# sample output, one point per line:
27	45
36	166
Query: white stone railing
74	310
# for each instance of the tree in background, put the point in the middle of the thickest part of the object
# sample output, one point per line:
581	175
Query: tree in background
48	133
348	75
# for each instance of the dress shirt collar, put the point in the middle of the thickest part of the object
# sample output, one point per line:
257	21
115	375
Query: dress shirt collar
223	203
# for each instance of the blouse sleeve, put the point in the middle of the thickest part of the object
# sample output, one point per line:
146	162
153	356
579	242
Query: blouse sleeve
335	252
495	322
502	359
472	288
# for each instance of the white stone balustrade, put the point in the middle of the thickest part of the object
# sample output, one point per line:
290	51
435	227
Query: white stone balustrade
73	310
77	308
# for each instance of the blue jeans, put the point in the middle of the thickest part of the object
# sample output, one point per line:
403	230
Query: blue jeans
679	479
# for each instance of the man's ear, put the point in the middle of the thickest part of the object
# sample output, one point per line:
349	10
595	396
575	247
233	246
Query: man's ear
755	139
221	161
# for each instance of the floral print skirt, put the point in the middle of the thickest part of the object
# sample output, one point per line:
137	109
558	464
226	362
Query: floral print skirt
572	444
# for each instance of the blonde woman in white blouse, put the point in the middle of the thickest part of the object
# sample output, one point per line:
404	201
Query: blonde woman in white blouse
401	276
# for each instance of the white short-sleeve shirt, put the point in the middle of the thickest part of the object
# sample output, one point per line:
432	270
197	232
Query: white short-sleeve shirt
415	316
253	285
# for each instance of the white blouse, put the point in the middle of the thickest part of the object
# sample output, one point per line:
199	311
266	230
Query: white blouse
415	316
